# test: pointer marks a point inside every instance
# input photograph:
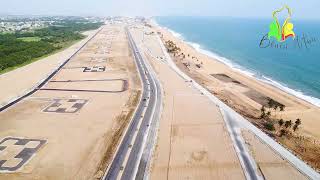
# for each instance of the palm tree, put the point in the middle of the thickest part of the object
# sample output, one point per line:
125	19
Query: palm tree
275	107
288	124
263	112
280	122
283	132
270	103
268	114
281	109
296	124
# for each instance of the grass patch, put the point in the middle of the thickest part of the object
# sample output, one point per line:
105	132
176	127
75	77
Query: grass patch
269	126
24	47
65	46
30	39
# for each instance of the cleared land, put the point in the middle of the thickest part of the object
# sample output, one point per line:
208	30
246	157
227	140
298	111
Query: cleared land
247	95
30	39
193	142
28	77
271	166
80	128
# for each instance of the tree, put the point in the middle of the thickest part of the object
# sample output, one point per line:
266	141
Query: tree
270	103
296	124
263	112
275	107
269	126
288	124
268	114
280	122
283	132
281	109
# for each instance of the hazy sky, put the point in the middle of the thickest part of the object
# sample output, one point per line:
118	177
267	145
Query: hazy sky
244	8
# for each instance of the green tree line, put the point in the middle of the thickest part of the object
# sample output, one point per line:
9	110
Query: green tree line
14	51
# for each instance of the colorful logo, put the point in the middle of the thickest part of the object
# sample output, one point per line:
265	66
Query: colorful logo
278	32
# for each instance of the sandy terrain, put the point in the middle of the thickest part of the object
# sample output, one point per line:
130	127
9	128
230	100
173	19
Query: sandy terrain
193	142
269	163
79	115
27	77
242	93
246	95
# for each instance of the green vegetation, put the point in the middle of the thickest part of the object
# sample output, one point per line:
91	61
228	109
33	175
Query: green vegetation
284	127
30	39
21	48
269	126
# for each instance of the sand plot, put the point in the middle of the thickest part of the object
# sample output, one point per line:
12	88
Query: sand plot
225	78
192	141
195	154
15	152
98	60
245	90
82	127
200	146
270	164
66	105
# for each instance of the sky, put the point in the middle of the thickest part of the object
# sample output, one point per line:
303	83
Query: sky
302	9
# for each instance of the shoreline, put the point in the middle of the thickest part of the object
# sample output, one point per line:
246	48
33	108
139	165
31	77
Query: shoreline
247	95
245	71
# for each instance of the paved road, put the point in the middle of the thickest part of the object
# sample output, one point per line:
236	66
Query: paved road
135	139
234	121
47	79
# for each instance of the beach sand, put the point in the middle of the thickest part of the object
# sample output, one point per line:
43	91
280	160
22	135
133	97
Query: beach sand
193	141
247	95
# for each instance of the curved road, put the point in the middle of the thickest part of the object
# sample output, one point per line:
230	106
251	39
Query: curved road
126	162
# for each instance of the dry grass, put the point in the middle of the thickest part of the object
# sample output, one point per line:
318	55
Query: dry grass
305	148
122	122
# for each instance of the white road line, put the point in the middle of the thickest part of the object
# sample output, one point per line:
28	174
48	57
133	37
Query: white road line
283	152
152	117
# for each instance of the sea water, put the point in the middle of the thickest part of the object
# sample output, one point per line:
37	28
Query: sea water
293	65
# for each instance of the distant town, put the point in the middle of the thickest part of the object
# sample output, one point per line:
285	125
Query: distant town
11	23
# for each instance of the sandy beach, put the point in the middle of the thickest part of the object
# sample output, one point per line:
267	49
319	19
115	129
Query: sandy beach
247	95
193	141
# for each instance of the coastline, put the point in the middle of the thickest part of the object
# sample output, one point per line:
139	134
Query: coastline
246	95
248	72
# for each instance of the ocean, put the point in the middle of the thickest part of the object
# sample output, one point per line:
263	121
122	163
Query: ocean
293	65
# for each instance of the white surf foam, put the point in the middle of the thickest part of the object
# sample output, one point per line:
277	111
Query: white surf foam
248	72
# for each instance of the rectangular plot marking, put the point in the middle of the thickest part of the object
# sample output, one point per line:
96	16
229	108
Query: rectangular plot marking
66	105
16	152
